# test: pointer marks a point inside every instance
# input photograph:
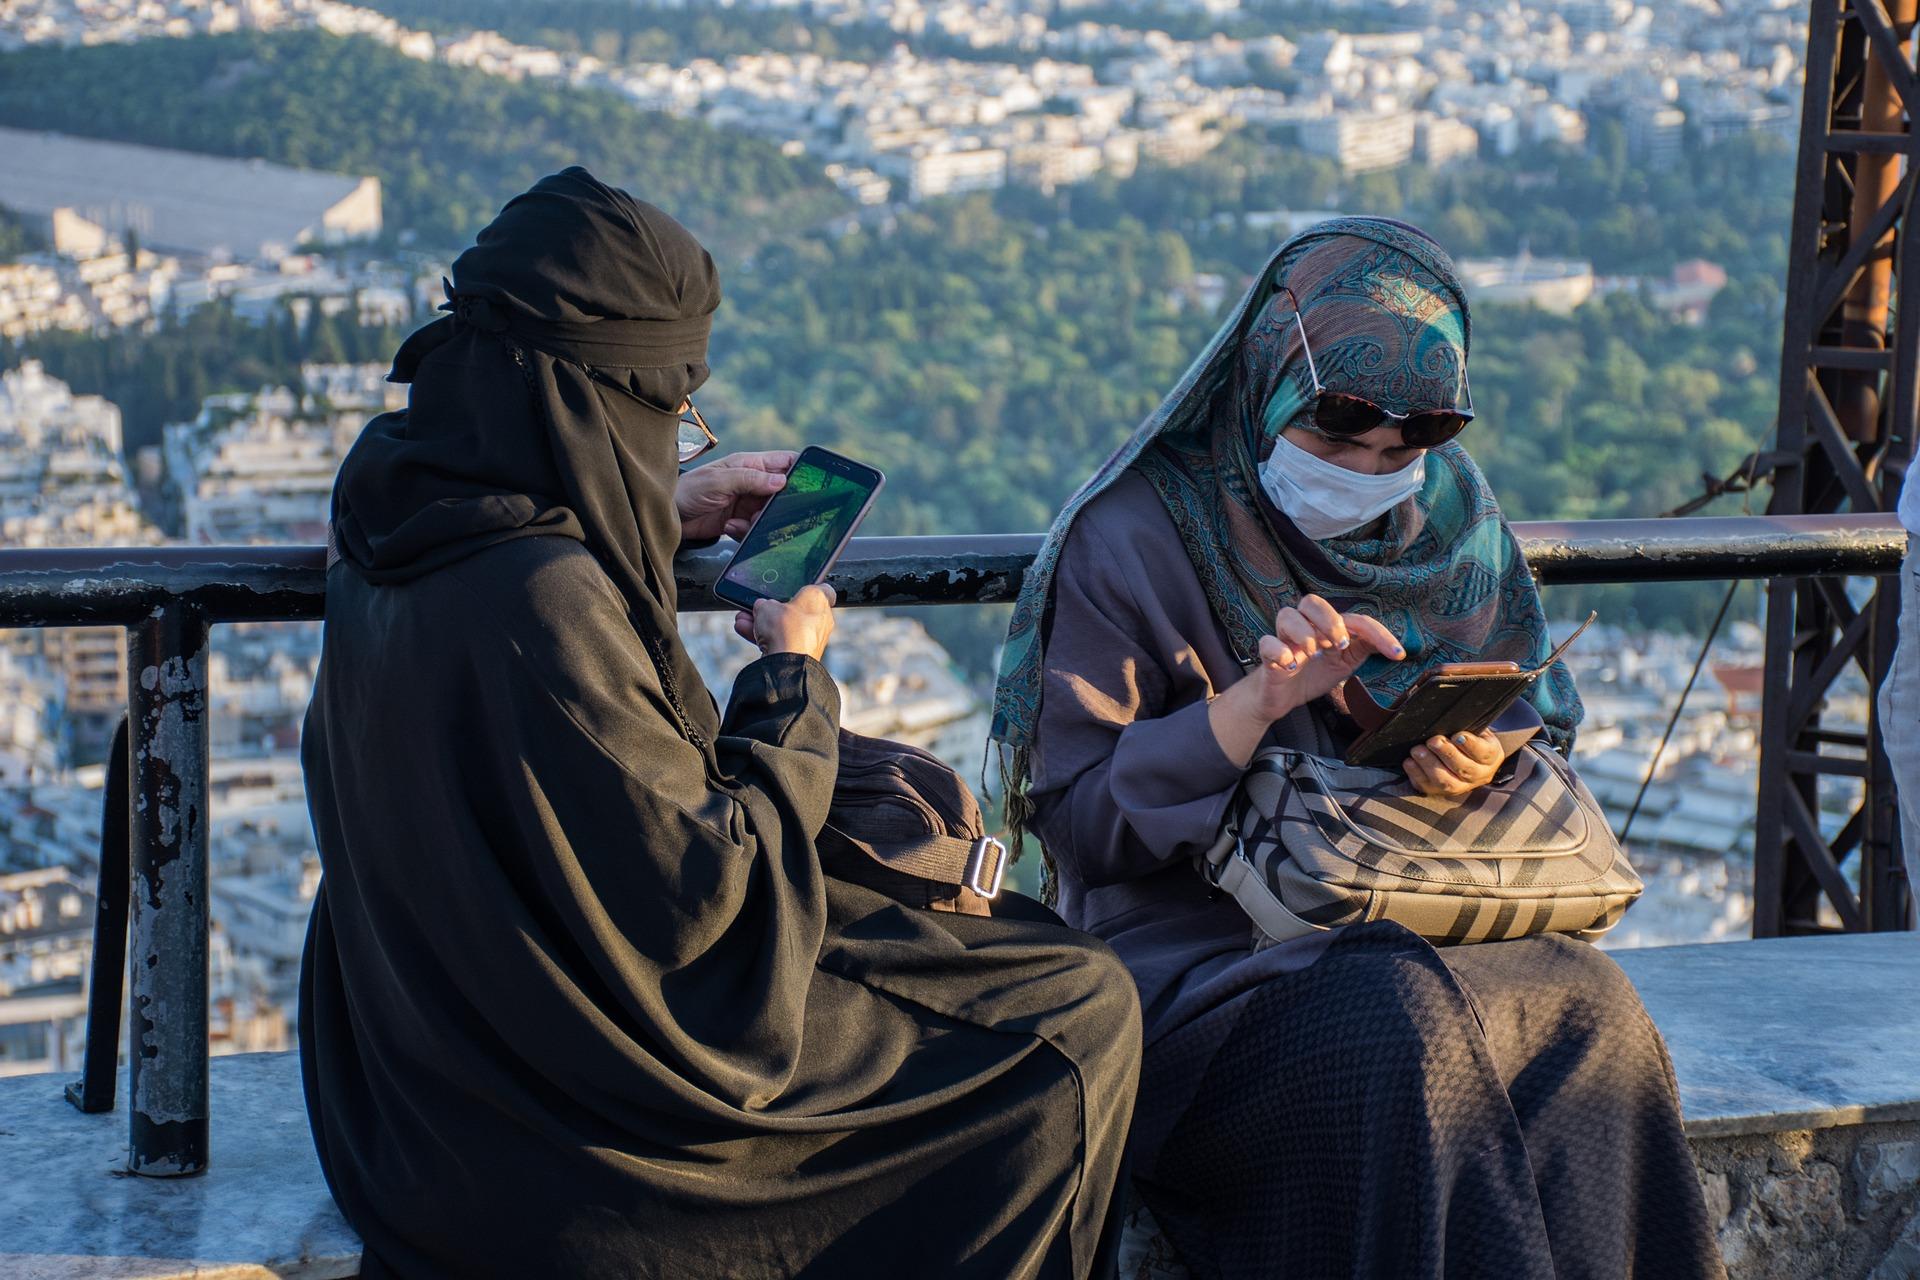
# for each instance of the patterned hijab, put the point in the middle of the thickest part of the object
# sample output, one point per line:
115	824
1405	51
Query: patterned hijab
1387	319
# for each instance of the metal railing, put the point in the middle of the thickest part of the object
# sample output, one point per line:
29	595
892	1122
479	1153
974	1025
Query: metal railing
168	599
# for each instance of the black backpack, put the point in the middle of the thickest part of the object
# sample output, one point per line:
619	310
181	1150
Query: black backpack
905	824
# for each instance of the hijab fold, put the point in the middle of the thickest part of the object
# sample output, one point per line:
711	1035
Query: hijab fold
1387	320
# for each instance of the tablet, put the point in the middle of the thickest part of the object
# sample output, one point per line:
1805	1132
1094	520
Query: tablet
1462	697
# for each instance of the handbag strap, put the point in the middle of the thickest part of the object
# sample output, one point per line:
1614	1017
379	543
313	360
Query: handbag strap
979	865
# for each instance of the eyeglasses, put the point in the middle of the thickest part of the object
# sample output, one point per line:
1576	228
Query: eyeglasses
1342	416
696	437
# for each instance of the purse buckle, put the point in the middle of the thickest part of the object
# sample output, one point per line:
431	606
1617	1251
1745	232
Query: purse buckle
986	867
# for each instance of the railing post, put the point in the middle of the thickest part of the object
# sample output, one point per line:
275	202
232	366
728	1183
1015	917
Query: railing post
107	975
167	1036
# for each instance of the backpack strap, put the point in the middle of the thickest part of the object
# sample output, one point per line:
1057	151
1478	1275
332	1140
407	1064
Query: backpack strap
979	865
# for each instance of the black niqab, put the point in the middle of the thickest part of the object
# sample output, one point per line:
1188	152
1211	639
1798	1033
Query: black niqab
601	305
577	997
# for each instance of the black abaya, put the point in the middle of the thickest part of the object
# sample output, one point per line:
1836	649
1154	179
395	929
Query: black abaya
577	998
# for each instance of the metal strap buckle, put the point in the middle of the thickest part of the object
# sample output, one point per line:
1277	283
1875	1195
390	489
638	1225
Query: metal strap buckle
986	867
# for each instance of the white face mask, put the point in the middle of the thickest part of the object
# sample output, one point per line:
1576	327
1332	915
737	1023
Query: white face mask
1325	500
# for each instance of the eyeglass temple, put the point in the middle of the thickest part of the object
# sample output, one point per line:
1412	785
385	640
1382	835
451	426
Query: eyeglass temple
1305	346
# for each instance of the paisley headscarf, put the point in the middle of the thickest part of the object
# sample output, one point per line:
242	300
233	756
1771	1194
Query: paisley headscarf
1388	320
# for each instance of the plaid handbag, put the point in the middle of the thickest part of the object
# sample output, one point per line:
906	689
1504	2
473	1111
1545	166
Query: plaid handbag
1310	843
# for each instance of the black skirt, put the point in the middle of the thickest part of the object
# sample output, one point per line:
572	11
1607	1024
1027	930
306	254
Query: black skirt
1395	1110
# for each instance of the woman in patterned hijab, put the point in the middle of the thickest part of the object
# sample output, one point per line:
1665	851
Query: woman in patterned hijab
1441	570
1354	1102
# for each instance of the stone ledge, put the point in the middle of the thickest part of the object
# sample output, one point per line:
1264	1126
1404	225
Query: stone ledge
1798	1061
69	1210
1788	1033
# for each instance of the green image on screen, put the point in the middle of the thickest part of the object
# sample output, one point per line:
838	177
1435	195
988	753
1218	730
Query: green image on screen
789	546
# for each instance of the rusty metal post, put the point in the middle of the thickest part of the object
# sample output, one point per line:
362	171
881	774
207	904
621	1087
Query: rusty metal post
1849	358
167	1033
1876	179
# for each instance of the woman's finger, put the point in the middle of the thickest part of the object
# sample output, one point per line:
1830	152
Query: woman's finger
779	461
1437	771
1452	757
743	486
743	625
1417	775
1275	653
818	595
1327	624
1373	633
1292	627
776	461
1482	748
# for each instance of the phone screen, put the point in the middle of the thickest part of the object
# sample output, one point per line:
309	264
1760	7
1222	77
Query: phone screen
796	537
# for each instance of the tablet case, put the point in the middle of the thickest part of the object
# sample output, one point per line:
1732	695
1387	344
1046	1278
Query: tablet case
1455	698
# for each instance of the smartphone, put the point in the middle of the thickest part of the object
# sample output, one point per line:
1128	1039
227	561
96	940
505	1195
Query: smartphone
801	531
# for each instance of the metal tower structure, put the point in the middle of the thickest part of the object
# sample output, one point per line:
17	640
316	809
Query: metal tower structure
1848	400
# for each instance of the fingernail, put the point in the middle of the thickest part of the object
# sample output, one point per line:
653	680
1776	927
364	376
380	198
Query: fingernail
1398	652
1344	643
1293	666
1459	739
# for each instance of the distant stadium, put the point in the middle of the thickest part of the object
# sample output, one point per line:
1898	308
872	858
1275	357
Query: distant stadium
78	192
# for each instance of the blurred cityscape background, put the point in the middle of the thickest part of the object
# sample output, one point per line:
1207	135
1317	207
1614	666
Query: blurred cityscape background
971	243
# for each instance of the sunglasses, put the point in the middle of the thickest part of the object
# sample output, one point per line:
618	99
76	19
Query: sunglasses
1341	416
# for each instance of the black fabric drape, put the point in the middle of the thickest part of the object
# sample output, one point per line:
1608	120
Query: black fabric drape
546	405
577	998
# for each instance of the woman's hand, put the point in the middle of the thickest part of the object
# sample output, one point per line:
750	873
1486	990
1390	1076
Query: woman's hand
1312	649
723	497
802	625
1451	768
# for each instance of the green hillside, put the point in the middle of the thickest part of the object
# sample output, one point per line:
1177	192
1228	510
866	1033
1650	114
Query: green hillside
988	351
449	145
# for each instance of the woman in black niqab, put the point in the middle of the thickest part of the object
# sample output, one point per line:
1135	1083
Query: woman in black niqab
577	998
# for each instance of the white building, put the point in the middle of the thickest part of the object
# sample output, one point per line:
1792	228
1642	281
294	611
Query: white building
266	915
1361	143
942	173
62	484
1439	142
1656	134
257	468
38	410
33	298
1551	284
46	939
